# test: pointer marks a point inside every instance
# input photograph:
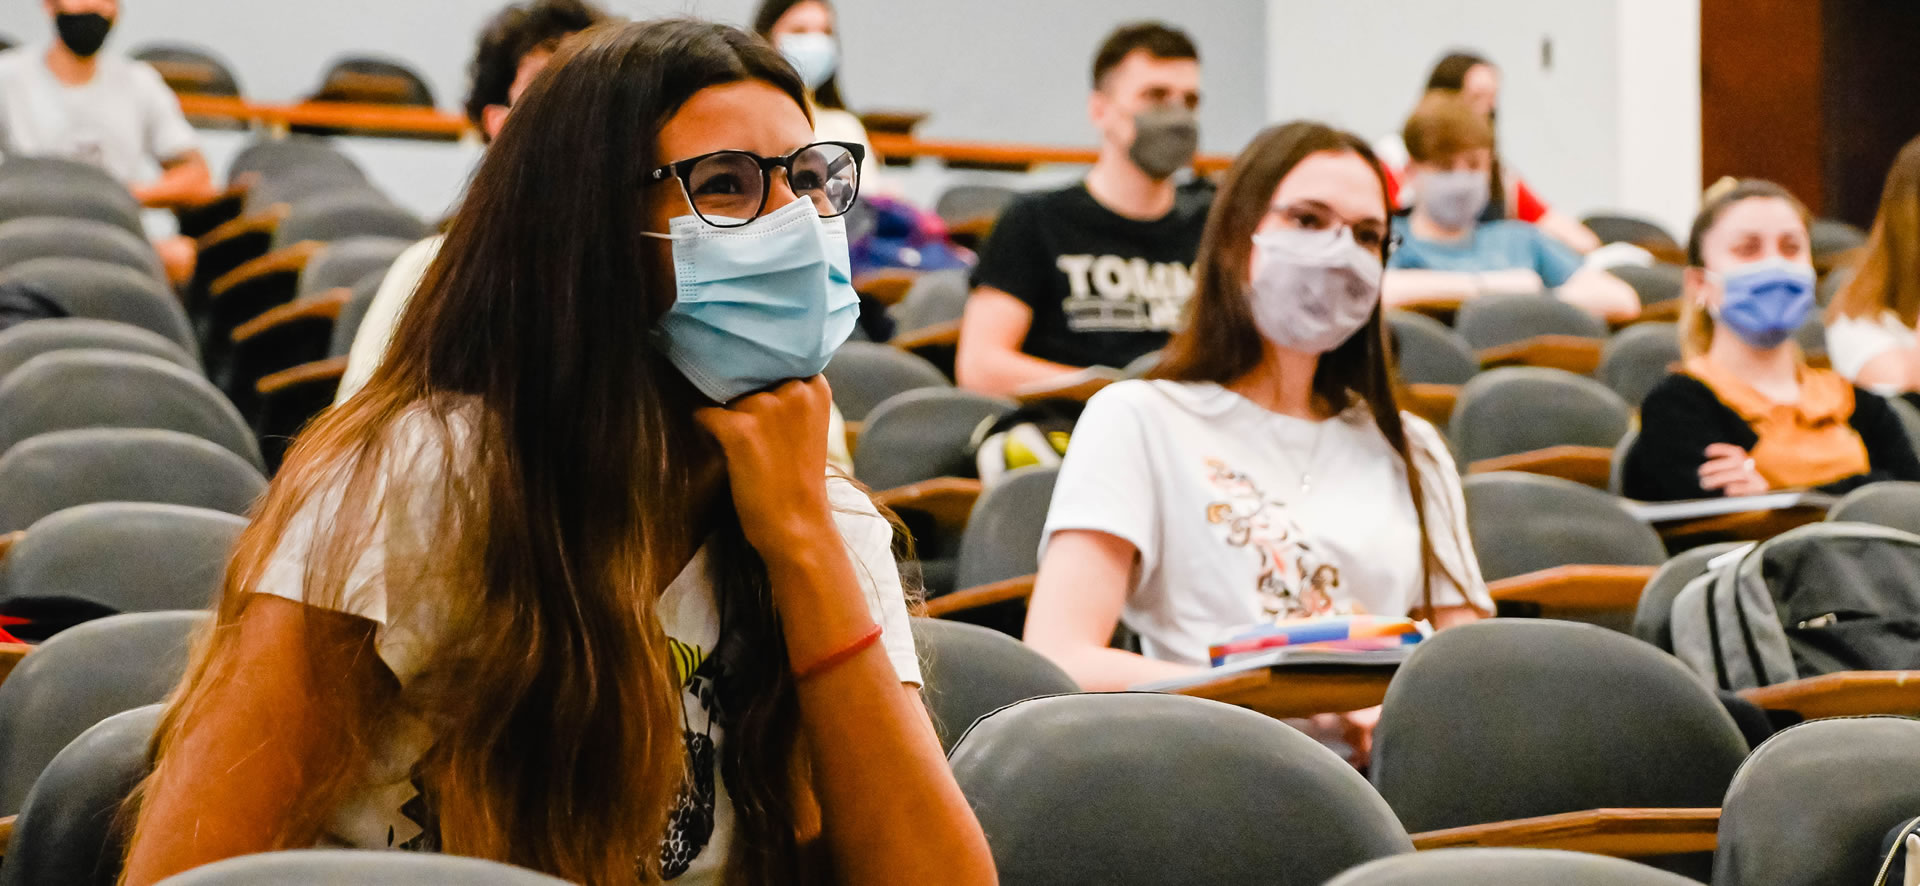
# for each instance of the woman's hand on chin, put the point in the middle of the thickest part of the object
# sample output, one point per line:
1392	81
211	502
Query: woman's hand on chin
776	450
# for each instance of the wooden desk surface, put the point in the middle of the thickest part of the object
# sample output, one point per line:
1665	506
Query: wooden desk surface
948	500
1580	356
1432	402
1623	833
1298	691
1019	588
1849	693
1576	587
1079	386
1587	465
10	656
1743	526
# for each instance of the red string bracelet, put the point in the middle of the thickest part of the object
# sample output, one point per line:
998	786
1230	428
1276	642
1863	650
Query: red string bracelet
839	658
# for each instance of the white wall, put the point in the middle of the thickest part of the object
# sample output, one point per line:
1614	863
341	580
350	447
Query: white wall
1600	102
999	70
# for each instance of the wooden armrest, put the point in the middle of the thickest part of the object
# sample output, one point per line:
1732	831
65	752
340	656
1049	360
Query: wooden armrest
1285	693
1580	356
948	500
325	306
1440	307
10	656
1591	465
234	191
1576	587
263	222
286	260
9	540
6	831
985	595
1660	312
1743	526
977	228
886	287
330	369
947	333
1622	833
1432	402
1845	694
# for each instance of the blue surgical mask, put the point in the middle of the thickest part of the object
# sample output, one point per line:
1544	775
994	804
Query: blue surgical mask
759	304
814	56
1766	301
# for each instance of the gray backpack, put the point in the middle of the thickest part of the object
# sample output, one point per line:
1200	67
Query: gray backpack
1817	600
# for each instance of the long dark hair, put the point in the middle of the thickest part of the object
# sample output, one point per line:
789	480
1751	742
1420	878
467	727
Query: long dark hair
571	491
1450	75
828	95
1220	342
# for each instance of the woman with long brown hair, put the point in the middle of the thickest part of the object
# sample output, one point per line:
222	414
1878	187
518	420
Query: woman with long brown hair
1871	323
1263	471
531	595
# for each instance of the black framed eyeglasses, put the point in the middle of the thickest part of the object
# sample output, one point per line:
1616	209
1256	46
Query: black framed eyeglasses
728	189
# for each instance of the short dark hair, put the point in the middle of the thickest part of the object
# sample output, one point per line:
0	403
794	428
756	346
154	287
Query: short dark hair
1153	38
515	32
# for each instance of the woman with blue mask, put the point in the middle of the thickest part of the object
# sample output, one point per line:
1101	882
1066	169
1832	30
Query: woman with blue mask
806	32
568	584
1746	414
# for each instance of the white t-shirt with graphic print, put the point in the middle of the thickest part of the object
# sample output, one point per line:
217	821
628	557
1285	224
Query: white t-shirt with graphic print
393	584
1206	485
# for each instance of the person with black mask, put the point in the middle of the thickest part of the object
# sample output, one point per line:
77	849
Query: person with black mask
74	101
1097	274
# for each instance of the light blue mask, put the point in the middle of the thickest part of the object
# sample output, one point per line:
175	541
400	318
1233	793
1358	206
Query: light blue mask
814	56
758	304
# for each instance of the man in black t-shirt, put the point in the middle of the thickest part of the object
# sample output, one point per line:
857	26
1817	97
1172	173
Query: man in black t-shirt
1097	274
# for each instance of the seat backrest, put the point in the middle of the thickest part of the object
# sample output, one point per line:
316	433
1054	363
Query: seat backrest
70	830
1653	618
301	184
26	239
1638	358
1002	539
1480	867
1617	469
965	203
1629	229
1493	320
1884	504
339	215
275	158
1812	335
56	471
79	677
97	388
1518	409
190	69
1814	802
972	671
1427	352
29	340
107	291
127	556
923	434
371	80
60	171
1909	416
347	324
363	867
1829	237
346	262
864	375
27	197
1523	523
935	297
1654	284
1516	718
1143	788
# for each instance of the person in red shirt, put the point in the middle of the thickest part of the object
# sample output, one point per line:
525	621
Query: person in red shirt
1478	81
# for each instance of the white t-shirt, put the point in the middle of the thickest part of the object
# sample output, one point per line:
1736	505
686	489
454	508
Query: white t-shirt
125	120
1852	343
1206	485
394	585
396	290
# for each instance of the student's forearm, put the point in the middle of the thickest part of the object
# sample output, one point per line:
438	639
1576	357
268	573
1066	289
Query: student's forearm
1569	230
1001	372
1101	669
184	185
889	805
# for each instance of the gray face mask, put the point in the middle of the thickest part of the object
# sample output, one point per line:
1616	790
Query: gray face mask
1164	141
1454	200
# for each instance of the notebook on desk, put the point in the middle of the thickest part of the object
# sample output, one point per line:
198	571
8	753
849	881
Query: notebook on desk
1287	657
1695	509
